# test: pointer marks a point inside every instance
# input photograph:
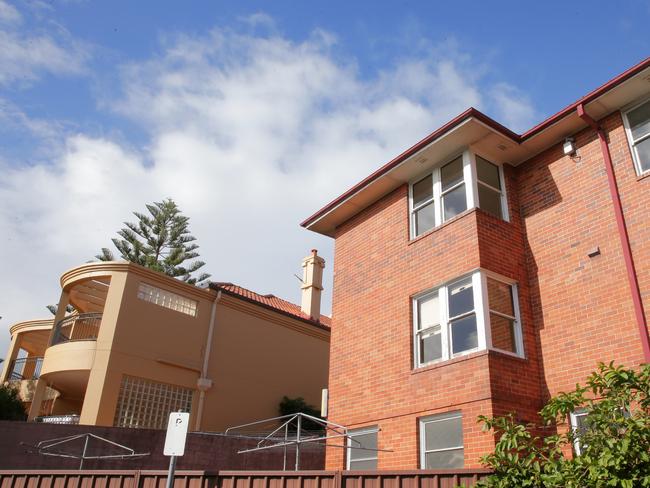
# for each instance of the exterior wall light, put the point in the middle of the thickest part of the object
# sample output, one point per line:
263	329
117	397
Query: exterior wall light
569	146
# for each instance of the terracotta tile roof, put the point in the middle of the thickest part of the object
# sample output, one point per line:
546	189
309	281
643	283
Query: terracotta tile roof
270	301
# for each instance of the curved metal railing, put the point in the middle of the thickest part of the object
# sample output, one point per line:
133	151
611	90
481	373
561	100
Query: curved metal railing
81	327
26	368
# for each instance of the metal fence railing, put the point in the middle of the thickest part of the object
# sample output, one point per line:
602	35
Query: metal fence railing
26	368
81	327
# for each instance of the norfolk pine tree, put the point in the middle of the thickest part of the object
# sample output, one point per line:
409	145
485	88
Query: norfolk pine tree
160	241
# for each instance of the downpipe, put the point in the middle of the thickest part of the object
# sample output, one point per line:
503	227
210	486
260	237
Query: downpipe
622	232
204	383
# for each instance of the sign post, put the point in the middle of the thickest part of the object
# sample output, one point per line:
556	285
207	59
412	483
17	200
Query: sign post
175	441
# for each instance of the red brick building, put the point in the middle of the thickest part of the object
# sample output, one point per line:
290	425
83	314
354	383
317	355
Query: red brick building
482	271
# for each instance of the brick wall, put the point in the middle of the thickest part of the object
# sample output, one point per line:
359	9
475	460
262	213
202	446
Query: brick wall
582	307
575	310
377	271
202	451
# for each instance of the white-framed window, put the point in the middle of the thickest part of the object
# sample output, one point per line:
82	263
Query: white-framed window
637	128
441	441
167	299
490	185
578	425
475	312
466	181
362	448
146	404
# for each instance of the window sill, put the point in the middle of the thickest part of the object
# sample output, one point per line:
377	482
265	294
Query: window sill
443	225
449	362
643	176
509	355
468	357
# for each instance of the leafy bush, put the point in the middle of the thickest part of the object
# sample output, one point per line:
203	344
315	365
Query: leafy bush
615	444
11	407
289	406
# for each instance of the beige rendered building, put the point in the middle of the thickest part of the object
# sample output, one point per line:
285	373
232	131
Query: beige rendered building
141	344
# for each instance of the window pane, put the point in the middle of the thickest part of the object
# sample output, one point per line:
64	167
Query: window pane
463	334
362	453
443	434
422	191
428	311
503	333
489	200
461	297
366	441
452	173
363	465
500	297
643	152
454	202
431	346
488	172
639	120
580	423
425	219
445	459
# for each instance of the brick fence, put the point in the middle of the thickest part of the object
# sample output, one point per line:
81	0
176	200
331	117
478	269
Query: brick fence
203	451
243	479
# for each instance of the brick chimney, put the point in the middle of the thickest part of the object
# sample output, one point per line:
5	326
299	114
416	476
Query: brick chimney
312	284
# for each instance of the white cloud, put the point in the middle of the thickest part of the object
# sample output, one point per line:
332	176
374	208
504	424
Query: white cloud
8	13
248	134
13	118
513	108
29	52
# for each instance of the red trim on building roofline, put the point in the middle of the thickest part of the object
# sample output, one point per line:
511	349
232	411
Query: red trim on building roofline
589	97
472	112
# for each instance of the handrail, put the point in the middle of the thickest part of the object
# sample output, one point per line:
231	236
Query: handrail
26	368
81	327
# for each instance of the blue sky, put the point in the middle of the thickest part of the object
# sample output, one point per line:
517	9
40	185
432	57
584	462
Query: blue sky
252	115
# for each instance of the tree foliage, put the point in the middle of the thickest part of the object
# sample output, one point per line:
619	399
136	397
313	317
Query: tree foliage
53	308
614	445
160	241
289	406
11	407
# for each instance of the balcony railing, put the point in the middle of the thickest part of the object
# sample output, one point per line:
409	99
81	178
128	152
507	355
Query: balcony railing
82	327
26	368
70	419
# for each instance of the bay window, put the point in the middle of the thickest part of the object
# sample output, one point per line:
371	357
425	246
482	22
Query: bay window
637	127
476	312
464	182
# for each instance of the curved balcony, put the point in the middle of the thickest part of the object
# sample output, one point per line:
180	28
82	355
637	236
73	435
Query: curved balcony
81	327
67	366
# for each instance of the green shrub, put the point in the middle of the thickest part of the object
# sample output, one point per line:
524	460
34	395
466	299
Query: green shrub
615	444
11	407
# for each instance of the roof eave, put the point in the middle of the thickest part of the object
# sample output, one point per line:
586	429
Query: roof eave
312	222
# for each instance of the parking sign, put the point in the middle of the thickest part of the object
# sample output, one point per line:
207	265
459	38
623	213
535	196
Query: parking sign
176	433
